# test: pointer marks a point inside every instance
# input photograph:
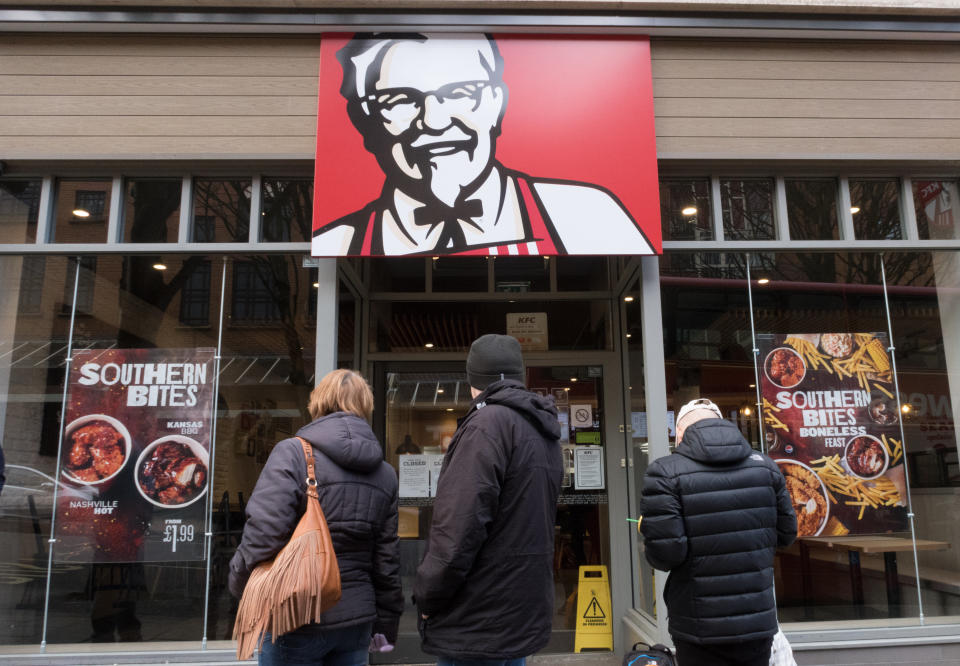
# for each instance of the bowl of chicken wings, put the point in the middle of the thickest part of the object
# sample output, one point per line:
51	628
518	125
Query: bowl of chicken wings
172	472
96	447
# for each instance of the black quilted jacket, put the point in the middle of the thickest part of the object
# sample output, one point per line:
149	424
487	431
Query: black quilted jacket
358	495
714	512
486	580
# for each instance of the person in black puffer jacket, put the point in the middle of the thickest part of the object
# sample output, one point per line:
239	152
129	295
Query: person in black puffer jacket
714	512
485	586
358	495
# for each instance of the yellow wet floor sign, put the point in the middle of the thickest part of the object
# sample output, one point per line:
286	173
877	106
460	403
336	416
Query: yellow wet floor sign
594	624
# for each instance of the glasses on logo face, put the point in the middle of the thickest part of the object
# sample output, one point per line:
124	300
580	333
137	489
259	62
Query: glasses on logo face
404	105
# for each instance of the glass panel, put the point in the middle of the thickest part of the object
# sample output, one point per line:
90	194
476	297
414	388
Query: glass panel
521	274
151	211
346	328
19	208
287	210
812	209
81	211
451	326
582	273
938	208
747	208
397	274
685	209
875	207
124	583
33	345
421	411
221	210
830	422
644	592
460	273
924	292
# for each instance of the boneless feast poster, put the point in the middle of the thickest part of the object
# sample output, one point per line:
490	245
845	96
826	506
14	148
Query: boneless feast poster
135	455
831	422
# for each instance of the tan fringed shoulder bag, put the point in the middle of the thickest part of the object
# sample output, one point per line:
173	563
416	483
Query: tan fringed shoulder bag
297	585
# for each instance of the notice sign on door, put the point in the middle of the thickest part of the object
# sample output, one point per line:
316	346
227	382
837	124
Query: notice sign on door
530	330
588	468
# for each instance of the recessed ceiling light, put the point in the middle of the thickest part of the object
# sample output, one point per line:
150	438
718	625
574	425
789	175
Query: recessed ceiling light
316	285
79	212
449	409
689	210
566	388
429	345
629	335
628	299
573	379
160	267
753	386
439	390
763	281
906	408
854	209
747	411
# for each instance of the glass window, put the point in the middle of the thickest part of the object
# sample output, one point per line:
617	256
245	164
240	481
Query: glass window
397	274
195	296
938	208
578	273
875	207
287	210
521	274
812	209
82	210
254	284
460	273
151	212
19	209
747	208
685	209
221	210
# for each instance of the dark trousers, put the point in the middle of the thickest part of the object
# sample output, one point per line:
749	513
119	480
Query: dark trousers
744	653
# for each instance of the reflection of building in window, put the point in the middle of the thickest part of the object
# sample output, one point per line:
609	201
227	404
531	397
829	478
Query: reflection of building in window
195	297
92	201
203	226
253	293
20	200
85	285
31	285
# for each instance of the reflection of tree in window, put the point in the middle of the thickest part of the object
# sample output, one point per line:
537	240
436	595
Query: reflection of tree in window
31	285
747	208
85	285
195	296
255	293
875	208
203	228
151	205
812	209
92	201
227	202
287	210
19	205
685	209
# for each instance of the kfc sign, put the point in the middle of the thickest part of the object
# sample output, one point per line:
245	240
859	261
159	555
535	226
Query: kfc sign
479	145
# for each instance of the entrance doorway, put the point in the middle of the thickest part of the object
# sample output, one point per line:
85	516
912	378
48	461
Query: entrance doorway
416	414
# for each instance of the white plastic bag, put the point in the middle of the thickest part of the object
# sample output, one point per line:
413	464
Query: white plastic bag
780	652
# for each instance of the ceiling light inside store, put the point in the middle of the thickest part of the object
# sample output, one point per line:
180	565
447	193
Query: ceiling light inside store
79	212
906	409
763	281
316	285
160	267
629	335
689	210
854	209
573	379
753	386
628	299
439	390
746	411
429	345
449	409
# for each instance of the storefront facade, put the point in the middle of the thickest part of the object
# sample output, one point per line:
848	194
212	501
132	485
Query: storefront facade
808	185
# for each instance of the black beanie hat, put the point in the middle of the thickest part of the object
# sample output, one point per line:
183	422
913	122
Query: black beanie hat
494	357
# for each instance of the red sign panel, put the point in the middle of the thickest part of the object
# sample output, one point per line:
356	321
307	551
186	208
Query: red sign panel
485	145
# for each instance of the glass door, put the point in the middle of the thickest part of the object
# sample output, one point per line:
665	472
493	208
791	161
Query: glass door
416	416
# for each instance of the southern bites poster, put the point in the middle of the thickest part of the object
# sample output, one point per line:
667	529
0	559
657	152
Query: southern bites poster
831	422
134	463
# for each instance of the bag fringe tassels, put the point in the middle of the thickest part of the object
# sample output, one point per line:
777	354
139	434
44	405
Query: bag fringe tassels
295	587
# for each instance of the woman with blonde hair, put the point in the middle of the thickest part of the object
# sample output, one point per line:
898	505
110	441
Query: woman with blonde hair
358	495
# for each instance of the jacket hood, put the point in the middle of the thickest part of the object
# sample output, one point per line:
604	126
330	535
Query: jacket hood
540	410
714	442
346	439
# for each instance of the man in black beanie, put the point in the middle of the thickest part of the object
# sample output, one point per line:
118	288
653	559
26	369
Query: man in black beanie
485	586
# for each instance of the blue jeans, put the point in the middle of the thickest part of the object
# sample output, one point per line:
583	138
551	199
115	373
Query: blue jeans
313	646
443	661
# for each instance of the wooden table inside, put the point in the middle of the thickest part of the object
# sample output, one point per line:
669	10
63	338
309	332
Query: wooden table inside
868	544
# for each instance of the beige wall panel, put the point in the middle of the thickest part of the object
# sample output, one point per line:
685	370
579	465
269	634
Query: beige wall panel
797	51
182	85
106	65
787	90
825	70
729	148
158	147
144	105
803	127
693	107
108	126
159	45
